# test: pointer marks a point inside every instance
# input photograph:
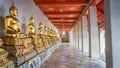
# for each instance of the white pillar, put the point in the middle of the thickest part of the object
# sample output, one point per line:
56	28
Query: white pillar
93	33
102	41
80	35
74	35
76	28
112	33
85	35
99	39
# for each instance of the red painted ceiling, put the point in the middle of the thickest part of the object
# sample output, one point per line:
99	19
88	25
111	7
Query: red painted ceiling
66	12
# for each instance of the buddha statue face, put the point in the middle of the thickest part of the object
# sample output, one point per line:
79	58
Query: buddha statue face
32	20
13	11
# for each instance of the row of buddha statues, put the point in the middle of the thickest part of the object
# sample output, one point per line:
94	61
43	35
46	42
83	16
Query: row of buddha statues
17	44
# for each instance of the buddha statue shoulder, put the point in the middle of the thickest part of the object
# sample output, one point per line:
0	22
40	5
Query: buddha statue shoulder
31	28
12	23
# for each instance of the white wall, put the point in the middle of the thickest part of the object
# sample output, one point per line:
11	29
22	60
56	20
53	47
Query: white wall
26	8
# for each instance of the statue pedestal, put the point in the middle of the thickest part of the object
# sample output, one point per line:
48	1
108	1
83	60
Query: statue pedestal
13	41
7	64
39	50
30	55
18	46
22	59
4	62
38	44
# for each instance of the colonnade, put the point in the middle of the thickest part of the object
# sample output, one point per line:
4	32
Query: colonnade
86	33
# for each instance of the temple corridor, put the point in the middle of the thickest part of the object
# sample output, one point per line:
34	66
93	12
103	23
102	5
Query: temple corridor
68	56
59	34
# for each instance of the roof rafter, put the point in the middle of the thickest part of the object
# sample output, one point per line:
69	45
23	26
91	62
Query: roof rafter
48	3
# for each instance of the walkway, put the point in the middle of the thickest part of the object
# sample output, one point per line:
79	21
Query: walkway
67	56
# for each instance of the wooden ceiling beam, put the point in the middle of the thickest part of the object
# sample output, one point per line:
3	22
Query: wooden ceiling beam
47	13
100	2
62	22
100	10
99	15
65	21
60	29
64	30
48	3
65	26
68	18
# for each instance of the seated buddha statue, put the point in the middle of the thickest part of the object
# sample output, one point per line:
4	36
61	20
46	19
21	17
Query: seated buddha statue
31	28
40	32
45	36
49	33
12	24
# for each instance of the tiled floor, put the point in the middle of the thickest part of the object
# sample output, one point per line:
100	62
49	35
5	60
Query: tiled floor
66	56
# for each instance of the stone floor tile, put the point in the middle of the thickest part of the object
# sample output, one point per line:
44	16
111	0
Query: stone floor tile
67	56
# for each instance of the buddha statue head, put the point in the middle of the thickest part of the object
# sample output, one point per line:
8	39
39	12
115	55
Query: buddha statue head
40	25
13	11
32	20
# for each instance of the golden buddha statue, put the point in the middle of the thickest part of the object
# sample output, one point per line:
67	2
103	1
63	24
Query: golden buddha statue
12	24
39	45
40	32
31	28
45	37
49	31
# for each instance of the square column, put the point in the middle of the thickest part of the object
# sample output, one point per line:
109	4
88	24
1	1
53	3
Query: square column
93	33
112	33
85	35
80	35
77	41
